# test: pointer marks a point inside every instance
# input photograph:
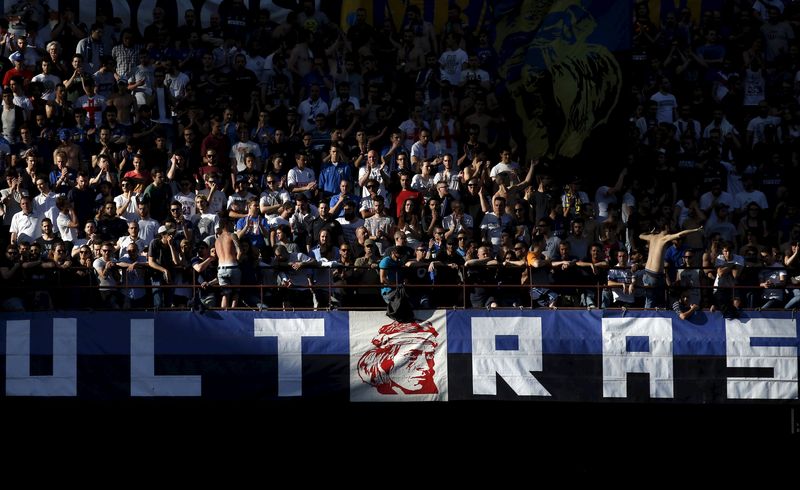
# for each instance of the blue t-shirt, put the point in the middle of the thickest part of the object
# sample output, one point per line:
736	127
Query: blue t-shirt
392	268
254	235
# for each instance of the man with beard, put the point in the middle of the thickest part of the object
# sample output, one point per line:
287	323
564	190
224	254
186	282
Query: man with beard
325	221
350	221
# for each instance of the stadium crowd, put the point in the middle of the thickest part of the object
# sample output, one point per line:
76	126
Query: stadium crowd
256	164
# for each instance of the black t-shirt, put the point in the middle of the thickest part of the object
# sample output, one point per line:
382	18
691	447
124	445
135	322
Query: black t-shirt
161	254
84	204
447	275
111	228
481	274
208	274
542	202
46	244
418	274
15	279
333	227
39	277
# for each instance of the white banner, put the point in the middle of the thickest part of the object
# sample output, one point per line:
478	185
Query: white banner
393	361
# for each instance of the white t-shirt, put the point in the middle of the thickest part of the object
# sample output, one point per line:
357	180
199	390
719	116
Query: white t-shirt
603	201
667	103
451	63
26	226
298	177
188	205
67	234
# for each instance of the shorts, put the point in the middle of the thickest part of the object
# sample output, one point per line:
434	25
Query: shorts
229	275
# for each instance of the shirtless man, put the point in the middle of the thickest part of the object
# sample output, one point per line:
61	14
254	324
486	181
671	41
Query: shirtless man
654	268
228	255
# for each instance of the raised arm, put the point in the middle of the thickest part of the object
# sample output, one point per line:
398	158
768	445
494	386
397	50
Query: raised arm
683	233
619	184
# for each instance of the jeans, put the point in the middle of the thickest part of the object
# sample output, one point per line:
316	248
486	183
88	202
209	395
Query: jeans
161	297
794	300
654	292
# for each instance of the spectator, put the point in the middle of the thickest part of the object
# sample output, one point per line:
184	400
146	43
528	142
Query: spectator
772	280
133	266
25	225
728	268
108	277
684	306
622	277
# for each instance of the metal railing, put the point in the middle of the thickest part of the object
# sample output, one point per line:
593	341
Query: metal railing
268	295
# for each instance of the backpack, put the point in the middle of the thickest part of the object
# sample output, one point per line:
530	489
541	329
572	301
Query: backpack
399	307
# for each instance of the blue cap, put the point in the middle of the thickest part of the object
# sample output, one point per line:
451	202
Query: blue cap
17	56
64	134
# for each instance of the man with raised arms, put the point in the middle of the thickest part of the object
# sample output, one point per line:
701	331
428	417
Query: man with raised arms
654	268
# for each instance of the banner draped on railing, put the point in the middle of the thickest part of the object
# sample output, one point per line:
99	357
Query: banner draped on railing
364	356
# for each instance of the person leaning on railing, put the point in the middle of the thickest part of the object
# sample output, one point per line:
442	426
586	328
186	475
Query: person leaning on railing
134	267
366	274
59	263
484	291
684	306
205	274
791	260
342	275
162	255
621	277
447	271
11	273
108	276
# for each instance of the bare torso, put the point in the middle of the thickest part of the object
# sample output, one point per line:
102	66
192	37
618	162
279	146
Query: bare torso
658	241
226	248
655	254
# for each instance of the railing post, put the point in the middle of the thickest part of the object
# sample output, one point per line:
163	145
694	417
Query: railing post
464	285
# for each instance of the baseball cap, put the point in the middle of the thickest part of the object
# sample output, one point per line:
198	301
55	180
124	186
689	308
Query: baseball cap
17	56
